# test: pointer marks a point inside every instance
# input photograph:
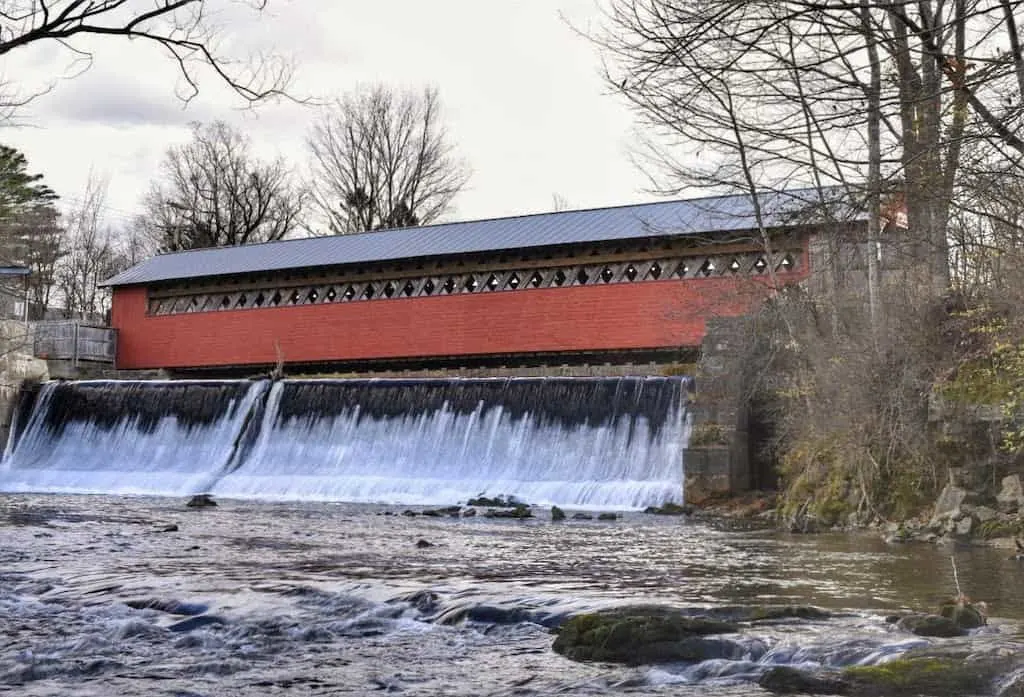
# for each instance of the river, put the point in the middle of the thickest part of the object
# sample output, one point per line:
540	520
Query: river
257	598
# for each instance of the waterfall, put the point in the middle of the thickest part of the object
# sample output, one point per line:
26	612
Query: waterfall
129	437
591	442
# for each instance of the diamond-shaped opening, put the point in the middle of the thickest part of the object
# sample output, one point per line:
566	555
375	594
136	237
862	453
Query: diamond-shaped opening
536	279
389	289
470	284
349	293
294	298
241	301
682	270
449	286
787	263
492	282
368	292
760	266
607	274
582	277
707	268
312	295
631	272
330	295
408	289
655	271
260	299
559	278
276	300
428	288
512	282
734	266
192	305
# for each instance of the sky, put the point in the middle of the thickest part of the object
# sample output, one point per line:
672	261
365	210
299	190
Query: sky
524	101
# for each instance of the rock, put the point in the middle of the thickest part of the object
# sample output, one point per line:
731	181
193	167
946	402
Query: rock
637	636
171	527
929	625
193	623
519	512
948	503
1011	496
452	511
786	680
669	508
608	516
201	501
408	513
557	514
983	514
582	516
469	513
423	544
495	502
964	614
964	526
922	673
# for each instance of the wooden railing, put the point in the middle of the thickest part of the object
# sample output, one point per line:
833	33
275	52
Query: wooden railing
71	340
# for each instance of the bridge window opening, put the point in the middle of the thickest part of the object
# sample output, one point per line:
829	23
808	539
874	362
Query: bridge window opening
631	272
787	263
492	282
449	286
312	295
192	306
512	282
408	289
294	299
331	294
276	300
681	270
582	277
734	266
655	271
428	288
260	299
368	292
389	289
707	268
241	301
349	293
225	302
760	266
470	284
559	278
536	279
607	274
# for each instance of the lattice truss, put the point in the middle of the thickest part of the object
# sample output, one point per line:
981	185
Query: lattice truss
480	281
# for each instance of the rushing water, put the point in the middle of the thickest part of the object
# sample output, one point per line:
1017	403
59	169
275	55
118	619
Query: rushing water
327	599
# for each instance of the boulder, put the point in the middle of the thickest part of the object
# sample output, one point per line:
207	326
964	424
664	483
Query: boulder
948	503
930	625
983	514
964	526
608	516
638	636
669	508
963	613
787	681
1011	495
201	501
557	514
926	673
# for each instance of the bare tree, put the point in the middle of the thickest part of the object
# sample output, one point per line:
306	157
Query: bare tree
382	159
184	29
214	192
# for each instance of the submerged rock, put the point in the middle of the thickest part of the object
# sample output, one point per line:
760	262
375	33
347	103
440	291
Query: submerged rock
582	516
519	512
495	502
201	501
423	544
930	625
637	636
669	508
608	516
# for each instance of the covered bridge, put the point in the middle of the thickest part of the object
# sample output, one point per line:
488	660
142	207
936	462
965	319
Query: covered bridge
613	285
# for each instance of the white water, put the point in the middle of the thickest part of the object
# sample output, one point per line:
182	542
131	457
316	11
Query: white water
174	459
441	457
419	452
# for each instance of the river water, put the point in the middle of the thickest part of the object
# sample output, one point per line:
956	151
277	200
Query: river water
257	598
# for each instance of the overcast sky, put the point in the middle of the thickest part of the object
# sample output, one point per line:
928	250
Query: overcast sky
524	101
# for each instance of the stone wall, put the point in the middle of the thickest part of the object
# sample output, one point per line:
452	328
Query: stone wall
17	366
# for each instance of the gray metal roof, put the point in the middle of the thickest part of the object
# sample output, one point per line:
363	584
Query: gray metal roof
660	219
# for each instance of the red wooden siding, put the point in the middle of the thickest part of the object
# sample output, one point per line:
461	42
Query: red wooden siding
587	318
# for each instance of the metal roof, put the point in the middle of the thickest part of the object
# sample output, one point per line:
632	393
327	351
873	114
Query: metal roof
659	219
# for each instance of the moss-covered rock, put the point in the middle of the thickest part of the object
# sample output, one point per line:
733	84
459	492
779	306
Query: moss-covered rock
788	681
934	676
557	514
929	625
669	508
637	636
963	613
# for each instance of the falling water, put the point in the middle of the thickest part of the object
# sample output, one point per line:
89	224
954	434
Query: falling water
599	442
129	437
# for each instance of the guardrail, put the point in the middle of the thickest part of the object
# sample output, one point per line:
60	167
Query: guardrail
71	340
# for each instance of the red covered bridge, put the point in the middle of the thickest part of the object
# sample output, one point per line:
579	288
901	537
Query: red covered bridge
625	284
